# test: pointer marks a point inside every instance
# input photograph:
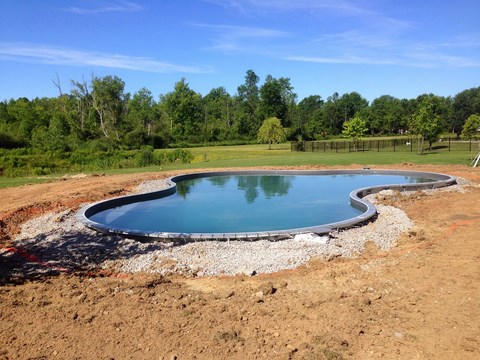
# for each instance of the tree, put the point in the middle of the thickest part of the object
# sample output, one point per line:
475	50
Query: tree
184	110
140	109
246	116
140	119
351	103
271	131
338	109
464	104
23	116
427	122
83	120
354	129
109	100
52	138
471	128
218	110
307	125
277	99
385	115
332	115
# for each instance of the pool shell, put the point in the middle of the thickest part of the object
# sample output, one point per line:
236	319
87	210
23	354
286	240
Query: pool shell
356	200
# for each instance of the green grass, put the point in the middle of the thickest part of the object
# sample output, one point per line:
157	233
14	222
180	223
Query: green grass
19	181
280	155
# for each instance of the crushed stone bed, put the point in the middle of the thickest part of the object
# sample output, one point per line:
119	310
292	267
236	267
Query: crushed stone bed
61	241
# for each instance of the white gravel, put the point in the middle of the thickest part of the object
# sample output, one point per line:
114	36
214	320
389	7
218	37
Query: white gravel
60	240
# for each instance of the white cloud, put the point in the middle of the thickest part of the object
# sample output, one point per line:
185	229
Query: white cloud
235	33
71	57
342	60
109	7
412	56
242	39
337	8
365	35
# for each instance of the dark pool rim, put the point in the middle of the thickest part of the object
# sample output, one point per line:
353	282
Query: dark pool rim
356	200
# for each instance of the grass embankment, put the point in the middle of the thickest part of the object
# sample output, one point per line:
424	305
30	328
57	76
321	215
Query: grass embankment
280	155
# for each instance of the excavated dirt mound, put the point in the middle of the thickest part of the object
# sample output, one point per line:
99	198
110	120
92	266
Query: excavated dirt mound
419	300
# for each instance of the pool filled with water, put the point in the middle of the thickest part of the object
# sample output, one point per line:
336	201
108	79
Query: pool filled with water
248	203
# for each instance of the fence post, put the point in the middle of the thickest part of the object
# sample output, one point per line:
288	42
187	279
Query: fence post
393	145
449	143
378	145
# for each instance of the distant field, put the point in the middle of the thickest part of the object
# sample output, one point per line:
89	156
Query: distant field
280	155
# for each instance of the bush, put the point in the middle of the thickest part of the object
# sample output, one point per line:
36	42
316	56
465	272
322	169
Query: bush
185	156
135	139
145	157
38	171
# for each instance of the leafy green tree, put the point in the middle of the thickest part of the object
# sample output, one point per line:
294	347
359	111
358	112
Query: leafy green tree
338	109
277	99
23	118
464	104
354	129
219	109
140	119
471	127
307	124
385	115
140	111
109	101
332	115
351	103
53	138
271	131
184	110
427	122
246	116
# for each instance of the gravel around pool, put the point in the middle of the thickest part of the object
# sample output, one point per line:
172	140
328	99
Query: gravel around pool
62	243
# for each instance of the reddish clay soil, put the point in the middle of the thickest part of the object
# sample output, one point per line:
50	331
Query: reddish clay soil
420	300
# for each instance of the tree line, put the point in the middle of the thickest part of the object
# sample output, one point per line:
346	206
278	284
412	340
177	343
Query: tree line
100	114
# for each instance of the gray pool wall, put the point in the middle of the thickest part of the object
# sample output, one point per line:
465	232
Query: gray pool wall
356	199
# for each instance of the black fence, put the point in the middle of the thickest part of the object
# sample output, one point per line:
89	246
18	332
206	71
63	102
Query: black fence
400	145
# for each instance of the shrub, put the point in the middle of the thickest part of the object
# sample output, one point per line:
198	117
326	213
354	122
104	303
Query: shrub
185	156
145	157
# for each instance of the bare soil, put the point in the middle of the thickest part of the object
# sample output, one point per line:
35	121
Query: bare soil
420	300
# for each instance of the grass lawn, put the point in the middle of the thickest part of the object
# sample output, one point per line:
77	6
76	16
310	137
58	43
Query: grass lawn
280	155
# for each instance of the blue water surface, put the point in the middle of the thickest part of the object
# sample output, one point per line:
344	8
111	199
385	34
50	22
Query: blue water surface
248	203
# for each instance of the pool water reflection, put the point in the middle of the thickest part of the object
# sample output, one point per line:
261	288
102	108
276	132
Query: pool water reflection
248	203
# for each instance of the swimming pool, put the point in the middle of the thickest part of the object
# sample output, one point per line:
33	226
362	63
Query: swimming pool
252	204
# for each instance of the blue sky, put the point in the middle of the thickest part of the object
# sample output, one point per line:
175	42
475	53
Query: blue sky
375	47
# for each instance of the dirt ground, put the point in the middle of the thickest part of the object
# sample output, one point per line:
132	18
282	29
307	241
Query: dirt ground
420	300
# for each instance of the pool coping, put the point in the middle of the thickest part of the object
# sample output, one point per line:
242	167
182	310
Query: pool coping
356	200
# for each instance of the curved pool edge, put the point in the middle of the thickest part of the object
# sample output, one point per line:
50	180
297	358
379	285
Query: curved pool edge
356	200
